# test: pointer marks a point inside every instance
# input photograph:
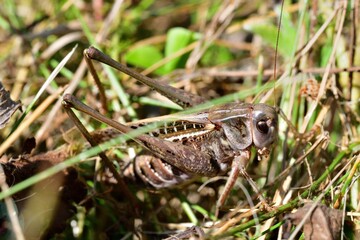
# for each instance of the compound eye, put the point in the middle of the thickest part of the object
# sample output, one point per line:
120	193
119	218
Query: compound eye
262	127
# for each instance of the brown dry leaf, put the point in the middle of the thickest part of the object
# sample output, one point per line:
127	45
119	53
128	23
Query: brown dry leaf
66	183
7	106
323	223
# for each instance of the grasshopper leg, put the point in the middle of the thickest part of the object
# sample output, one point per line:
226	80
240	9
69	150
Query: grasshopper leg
238	167
108	163
179	96
158	173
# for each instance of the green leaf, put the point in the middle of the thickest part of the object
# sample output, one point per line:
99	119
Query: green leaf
268	32
325	53
177	38
144	57
216	55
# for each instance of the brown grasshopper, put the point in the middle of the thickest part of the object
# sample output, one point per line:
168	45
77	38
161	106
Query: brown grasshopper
209	143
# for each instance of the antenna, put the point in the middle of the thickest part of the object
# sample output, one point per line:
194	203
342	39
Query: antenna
276	48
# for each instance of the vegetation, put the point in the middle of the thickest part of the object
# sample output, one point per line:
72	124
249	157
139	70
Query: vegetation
225	51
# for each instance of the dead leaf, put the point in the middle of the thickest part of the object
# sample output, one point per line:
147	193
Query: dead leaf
323	223
7	106
66	183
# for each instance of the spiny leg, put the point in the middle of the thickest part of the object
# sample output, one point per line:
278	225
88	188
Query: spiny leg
96	78
238	167
103	156
179	96
71	101
256	189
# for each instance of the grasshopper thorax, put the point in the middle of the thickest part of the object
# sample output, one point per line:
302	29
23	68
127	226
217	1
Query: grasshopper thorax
247	125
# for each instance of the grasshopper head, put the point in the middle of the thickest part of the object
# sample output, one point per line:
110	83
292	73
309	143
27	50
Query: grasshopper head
265	126
247	125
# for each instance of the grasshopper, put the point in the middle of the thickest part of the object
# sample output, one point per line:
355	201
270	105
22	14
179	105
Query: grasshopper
212	142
